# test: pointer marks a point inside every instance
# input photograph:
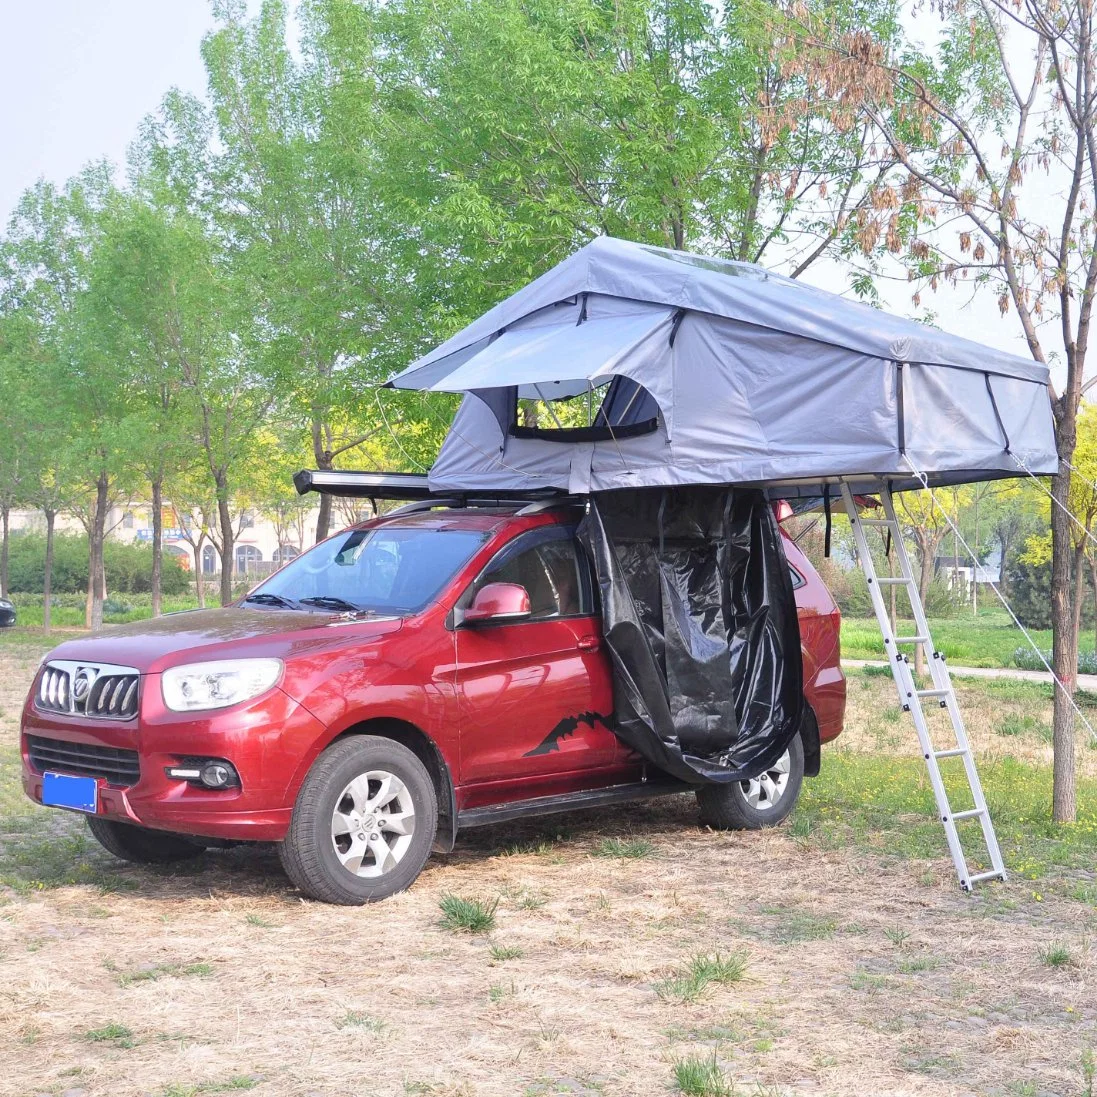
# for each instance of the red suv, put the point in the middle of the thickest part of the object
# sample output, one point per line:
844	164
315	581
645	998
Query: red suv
420	673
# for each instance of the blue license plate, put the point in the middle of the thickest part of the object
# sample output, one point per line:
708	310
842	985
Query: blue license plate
59	790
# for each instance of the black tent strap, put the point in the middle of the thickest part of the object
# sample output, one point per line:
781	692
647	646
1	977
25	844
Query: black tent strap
899	407
679	316
826	510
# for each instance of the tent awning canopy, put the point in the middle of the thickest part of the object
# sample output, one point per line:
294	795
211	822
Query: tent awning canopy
722	372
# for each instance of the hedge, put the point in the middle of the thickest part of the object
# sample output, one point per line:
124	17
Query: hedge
128	567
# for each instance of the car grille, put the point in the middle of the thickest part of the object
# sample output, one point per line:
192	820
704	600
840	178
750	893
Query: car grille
100	690
116	767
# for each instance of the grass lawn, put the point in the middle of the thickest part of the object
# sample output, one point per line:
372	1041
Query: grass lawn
119	608
988	640
625	953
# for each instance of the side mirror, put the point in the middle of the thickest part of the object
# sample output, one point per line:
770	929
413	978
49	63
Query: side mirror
498	602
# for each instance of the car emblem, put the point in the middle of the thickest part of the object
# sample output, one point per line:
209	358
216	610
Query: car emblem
82	686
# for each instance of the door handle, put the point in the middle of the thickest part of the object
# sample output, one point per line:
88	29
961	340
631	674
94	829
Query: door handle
587	643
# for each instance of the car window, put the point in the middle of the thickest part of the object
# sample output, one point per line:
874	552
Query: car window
548	569
390	569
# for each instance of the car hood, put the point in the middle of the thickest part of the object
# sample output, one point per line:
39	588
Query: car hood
229	633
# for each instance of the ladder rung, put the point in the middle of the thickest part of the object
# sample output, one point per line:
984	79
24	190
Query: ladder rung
912	639
971	813
875	522
933	692
888	581
954	752
991	875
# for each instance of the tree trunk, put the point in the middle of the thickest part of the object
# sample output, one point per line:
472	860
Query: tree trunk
5	518
157	540
228	544
199	579
1093	581
47	574
323	461
1079	591
1064	806
97	579
925	578
975	566
891	592
1003	578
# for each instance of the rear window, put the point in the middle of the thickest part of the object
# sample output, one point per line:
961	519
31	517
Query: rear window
389	570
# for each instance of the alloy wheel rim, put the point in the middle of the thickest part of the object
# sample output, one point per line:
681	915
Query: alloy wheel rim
765	792
373	823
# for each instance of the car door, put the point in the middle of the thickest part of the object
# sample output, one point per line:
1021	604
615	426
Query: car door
535	695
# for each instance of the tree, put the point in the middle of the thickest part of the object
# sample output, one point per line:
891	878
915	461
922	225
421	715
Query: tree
46	258
137	285
672	124
1006	91
285	165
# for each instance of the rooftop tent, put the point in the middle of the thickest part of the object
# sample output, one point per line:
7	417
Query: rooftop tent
706	384
710	371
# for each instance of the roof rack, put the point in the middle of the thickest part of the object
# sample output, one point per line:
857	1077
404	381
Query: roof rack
413	488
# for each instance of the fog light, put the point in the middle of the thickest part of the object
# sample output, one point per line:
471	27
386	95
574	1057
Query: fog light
213	773
218	775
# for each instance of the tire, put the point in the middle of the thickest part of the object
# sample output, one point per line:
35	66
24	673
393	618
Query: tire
752	805
346	845
142	846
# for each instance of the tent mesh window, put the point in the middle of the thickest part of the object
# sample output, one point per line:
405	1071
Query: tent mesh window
618	408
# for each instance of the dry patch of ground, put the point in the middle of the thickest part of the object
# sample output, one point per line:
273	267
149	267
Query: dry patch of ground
612	966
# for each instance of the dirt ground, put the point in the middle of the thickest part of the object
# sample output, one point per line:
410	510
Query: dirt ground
864	975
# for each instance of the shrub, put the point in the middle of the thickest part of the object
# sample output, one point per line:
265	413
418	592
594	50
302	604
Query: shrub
1030	595
850	591
1027	659
128	567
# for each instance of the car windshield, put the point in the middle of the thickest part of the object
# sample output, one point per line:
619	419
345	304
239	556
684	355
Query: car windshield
388	570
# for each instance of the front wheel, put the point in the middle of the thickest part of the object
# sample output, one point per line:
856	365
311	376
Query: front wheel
763	801
363	825
143	846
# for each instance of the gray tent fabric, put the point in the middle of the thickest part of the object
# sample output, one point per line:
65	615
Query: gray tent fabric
754	379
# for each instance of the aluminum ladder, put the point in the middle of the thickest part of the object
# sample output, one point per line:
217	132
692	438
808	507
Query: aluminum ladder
911	697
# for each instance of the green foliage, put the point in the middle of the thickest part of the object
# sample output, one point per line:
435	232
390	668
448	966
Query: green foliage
851	594
128	567
467	915
631	848
1015	724
700	1077
701	973
1056	955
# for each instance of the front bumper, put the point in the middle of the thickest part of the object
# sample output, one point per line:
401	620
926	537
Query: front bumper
264	739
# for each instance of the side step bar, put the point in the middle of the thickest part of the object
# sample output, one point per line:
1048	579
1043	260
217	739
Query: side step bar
569	801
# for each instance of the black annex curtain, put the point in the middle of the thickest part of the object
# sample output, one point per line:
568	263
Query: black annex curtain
700	621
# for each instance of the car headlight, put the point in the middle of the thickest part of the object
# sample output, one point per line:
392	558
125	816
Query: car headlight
218	684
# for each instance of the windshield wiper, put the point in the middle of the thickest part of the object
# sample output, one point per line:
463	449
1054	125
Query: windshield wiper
329	601
265	599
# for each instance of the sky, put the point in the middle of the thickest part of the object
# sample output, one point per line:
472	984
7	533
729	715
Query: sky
78	76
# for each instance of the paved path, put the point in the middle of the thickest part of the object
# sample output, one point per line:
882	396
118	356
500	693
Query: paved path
1085	681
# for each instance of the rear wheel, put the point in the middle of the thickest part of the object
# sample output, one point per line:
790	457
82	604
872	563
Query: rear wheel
145	847
364	823
763	801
